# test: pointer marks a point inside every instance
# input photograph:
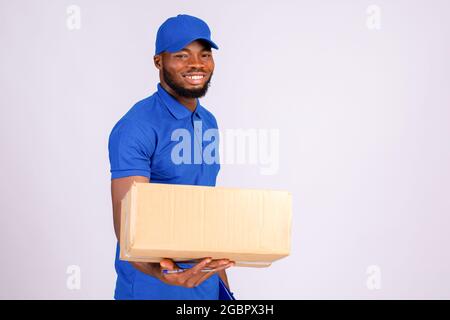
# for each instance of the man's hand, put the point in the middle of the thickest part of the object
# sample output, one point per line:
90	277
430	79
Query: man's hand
194	276
189	278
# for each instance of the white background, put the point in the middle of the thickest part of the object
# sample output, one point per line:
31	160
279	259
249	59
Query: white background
364	128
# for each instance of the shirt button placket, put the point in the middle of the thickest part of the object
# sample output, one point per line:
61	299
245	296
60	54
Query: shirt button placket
197	134
200	142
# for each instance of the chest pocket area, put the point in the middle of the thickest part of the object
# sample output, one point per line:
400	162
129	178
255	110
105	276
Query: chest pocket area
164	168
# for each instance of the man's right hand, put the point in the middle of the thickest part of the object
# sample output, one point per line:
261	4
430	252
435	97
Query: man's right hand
189	278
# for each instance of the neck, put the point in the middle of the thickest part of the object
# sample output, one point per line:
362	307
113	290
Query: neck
190	103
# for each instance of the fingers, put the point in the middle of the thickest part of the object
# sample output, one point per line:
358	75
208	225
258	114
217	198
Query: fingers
198	267
190	277
168	264
193	276
218	263
225	264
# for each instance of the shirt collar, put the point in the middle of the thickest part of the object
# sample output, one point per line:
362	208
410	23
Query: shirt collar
175	108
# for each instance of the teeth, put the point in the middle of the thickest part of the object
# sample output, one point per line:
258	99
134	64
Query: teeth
195	77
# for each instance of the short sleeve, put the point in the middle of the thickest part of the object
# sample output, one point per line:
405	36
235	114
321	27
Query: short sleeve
131	147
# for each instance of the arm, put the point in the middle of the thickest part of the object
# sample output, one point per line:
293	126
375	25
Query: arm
119	187
190	278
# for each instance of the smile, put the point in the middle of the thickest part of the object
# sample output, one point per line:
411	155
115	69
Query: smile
194	79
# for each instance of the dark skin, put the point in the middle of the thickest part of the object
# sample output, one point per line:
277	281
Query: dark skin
195	60
190	278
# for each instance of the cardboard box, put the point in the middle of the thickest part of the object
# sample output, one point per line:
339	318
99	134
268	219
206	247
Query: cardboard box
181	222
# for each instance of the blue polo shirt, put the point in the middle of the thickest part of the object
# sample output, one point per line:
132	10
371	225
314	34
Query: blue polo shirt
161	139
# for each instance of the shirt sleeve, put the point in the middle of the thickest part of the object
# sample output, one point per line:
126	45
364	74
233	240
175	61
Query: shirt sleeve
131	149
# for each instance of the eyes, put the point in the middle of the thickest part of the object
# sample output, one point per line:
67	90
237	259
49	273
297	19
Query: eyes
185	56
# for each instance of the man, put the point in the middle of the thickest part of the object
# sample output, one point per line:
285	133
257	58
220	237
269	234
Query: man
141	149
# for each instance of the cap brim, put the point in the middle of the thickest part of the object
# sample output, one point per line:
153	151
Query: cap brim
182	44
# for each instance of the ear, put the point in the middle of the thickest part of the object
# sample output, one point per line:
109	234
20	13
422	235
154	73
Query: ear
157	60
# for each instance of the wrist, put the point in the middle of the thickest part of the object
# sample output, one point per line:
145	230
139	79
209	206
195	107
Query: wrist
151	269
155	270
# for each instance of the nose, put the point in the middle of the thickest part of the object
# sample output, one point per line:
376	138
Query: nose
195	62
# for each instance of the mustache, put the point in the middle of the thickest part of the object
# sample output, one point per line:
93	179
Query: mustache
183	92
196	70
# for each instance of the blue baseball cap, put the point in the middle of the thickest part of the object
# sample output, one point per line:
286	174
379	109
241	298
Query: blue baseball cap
177	32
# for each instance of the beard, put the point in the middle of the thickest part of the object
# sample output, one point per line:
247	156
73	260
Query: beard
183	92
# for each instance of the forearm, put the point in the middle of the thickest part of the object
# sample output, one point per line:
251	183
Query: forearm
151	269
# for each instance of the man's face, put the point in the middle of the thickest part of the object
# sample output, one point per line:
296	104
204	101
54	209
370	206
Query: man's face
188	72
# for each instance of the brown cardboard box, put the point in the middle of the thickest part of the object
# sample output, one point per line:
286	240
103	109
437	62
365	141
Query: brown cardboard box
181	222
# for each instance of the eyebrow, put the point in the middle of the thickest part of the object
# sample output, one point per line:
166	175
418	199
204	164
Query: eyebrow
204	49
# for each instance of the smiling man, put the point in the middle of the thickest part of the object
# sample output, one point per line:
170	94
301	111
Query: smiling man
140	149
